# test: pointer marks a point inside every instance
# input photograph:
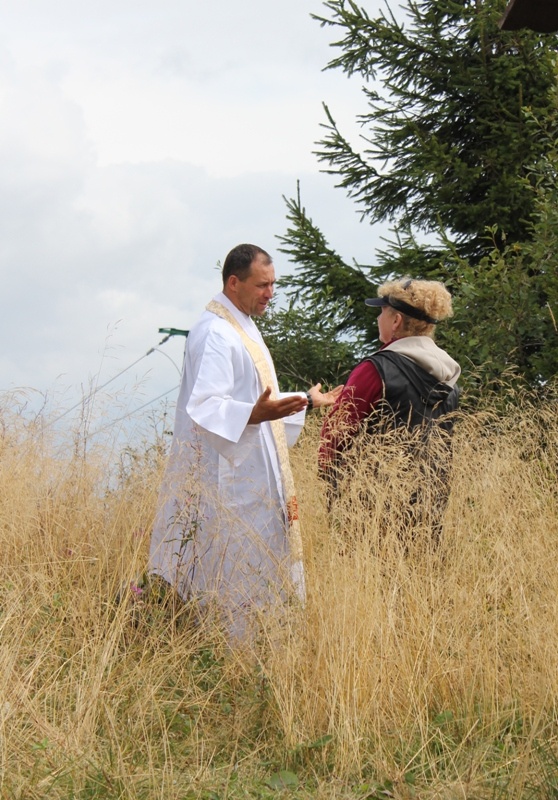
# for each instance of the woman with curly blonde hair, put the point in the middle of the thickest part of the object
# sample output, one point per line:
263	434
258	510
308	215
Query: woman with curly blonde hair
410	383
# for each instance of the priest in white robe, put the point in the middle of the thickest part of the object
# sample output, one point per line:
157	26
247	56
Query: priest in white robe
226	532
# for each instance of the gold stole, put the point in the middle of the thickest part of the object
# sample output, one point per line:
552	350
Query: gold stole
277	426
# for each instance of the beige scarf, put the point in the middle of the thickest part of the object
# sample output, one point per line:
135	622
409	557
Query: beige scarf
277	426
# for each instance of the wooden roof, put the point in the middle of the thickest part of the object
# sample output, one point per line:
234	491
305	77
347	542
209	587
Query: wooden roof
538	15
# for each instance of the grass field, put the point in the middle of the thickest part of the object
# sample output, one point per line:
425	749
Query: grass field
412	672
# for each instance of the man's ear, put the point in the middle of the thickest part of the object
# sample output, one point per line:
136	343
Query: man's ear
231	283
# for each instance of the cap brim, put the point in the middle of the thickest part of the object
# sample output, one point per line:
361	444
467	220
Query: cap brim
376	301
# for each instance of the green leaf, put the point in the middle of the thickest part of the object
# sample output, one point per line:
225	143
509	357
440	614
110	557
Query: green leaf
282	780
321	742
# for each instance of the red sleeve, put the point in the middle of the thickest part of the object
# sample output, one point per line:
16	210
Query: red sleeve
364	388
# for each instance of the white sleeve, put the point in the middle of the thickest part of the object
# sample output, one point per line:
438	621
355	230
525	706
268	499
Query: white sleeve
221	399
294	424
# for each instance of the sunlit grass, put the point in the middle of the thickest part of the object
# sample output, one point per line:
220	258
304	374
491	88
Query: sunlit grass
414	670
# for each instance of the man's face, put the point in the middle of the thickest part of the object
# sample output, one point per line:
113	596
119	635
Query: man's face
253	294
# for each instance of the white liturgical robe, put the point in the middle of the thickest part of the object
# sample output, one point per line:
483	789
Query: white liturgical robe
220	532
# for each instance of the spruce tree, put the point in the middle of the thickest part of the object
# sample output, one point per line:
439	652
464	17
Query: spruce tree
459	118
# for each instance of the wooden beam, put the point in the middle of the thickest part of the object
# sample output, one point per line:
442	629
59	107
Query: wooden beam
538	15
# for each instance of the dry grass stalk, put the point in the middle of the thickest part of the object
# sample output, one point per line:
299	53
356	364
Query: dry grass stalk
409	661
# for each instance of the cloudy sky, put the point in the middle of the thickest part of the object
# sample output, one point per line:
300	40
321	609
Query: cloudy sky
140	141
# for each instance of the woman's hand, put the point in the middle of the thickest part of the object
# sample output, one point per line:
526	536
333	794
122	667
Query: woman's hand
320	398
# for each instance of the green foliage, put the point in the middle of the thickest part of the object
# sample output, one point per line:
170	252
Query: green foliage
503	327
306	348
450	123
460	155
333	289
545	787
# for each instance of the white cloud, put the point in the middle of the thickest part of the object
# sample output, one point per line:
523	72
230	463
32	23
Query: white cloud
140	142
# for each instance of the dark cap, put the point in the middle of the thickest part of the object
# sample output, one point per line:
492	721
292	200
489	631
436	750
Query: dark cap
402	306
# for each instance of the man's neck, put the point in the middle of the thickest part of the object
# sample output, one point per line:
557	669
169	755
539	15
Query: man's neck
234	305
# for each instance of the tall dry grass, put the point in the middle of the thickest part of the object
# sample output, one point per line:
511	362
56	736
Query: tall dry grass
414	670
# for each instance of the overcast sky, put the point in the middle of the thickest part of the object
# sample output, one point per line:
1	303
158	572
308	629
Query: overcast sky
140	141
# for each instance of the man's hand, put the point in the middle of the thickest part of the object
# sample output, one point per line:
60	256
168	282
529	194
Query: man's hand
320	398
266	410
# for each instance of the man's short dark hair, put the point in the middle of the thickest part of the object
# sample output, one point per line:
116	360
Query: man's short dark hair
239	260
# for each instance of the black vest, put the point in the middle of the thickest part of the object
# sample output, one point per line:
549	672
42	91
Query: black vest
412	397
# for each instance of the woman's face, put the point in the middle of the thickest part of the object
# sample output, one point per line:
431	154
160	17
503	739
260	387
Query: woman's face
388	323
